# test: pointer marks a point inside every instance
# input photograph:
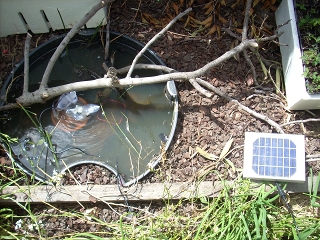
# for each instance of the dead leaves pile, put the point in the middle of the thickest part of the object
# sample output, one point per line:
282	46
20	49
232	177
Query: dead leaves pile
211	19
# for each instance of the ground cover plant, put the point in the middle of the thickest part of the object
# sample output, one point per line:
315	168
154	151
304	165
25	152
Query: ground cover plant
235	213
308	23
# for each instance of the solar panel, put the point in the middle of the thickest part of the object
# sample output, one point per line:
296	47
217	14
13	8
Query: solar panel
272	156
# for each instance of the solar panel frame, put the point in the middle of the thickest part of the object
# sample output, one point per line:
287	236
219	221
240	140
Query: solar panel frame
273	156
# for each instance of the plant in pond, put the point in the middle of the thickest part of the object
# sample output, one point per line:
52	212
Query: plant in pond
308	23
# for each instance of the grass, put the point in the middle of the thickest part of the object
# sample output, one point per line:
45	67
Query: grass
237	212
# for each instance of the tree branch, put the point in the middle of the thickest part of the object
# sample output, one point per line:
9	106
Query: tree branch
43	94
154	39
66	40
26	63
107	42
248	110
200	89
246	20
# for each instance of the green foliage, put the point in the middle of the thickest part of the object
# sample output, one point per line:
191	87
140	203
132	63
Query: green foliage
308	24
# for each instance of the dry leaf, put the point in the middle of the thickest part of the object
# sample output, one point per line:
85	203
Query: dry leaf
187	22
207	25
253	32
175	7
231	165
195	20
143	20
273	8
226	149
222	20
219	31
208	20
209	10
239	30
208	5
264	69
190	3
267	31
223	2
212	30
235	4
206	154
266	5
255	2
250	80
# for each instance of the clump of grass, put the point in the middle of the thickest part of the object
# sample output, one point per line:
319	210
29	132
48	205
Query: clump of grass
240	211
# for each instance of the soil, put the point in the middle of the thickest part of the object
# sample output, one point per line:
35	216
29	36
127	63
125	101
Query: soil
204	122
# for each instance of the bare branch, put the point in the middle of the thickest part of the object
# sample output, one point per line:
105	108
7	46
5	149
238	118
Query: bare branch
196	85
301	121
248	110
26	63
66	40
154	39
246	20
253	70
107	42
43	94
146	66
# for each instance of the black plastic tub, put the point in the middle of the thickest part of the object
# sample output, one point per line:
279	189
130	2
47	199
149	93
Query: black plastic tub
128	137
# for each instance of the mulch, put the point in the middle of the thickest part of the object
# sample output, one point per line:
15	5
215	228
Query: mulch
208	123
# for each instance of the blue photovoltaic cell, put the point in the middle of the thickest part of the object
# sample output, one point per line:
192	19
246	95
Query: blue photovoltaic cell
274	157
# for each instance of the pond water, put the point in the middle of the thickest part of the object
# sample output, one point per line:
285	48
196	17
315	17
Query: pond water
126	134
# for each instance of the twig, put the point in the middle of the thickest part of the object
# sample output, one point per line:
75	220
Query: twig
199	88
107	43
67	38
154	39
232	34
146	66
248	110
253	70
26	63
301	121
246	20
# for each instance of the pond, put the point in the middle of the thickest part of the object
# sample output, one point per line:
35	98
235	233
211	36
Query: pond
128	134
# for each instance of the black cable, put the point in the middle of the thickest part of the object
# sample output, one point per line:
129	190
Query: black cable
284	198
118	183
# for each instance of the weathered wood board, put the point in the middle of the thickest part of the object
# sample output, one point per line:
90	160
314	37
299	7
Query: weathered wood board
140	192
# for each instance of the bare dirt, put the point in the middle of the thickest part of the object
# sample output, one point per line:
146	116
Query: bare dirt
207	123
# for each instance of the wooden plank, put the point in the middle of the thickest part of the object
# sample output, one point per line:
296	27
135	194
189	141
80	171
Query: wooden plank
140	192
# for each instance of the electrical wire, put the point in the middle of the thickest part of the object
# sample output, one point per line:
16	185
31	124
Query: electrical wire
118	183
284	198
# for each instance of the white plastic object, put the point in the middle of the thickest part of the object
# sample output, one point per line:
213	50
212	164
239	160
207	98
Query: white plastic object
80	113
297	96
66	100
19	16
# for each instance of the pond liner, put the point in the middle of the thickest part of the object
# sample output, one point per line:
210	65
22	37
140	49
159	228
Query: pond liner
170	92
